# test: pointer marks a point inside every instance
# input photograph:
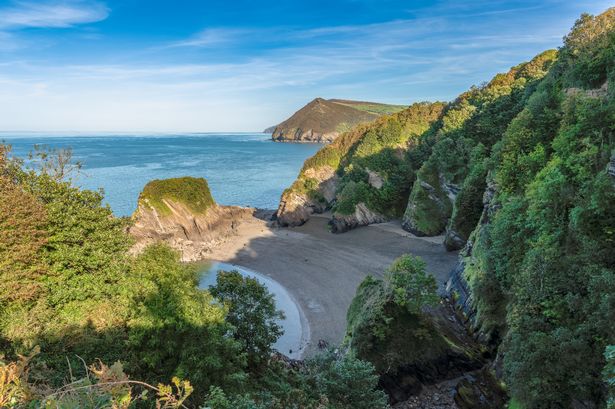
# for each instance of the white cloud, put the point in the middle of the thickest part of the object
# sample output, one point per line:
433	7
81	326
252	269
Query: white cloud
51	14
400	61
211	37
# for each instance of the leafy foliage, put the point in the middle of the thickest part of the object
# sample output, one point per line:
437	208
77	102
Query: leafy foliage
102	387
541	267
70	286
252	313
378	147
328	380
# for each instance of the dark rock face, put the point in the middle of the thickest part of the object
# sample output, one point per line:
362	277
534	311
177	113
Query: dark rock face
480	390
409	380
417	349
457	289
453	240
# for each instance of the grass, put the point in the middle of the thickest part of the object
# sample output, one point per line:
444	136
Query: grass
373	107
193	192
514	404
380	109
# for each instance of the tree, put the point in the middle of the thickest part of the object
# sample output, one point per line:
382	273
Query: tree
252	312
346	381
409	285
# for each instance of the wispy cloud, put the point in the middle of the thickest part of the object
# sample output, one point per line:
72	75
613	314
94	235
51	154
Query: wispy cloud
248	77
212	37
51	14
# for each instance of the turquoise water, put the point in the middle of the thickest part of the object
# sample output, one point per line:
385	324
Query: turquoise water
242	169
296	333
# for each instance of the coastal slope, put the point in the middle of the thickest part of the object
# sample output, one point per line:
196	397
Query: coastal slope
322	120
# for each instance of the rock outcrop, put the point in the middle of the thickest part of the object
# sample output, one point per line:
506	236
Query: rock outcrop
457	287
362	216
296	206
181	213
409	348
322	121
430	204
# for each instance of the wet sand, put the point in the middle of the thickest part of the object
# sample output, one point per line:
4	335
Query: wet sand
322	270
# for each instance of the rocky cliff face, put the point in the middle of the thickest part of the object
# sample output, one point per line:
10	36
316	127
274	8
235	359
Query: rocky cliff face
192	233
322	121
457	287
296	206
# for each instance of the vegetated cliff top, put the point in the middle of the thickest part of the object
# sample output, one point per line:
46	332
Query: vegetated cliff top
324	116
190	191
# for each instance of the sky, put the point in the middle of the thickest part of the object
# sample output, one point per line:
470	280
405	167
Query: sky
244	65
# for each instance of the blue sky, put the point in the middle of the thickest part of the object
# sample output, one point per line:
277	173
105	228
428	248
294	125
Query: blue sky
209	65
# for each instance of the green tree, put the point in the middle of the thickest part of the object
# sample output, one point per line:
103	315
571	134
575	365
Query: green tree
252	312
345	381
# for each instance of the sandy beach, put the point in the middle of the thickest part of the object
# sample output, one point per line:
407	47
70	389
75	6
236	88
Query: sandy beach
322	270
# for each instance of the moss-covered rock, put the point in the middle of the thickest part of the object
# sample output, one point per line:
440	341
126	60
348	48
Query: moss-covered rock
189	191
410	346
429	206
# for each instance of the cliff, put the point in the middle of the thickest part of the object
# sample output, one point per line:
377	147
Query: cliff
413	164
519	172
182	213
323	120
362	174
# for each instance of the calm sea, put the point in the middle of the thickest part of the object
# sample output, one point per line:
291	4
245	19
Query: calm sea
242	169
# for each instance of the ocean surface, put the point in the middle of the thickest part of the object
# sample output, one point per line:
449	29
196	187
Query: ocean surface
241	169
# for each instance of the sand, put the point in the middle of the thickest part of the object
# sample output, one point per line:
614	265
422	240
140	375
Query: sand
322	270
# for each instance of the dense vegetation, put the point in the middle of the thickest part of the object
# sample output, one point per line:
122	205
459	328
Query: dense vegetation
73	299
193	192
386	322
378	147
542	267
522	169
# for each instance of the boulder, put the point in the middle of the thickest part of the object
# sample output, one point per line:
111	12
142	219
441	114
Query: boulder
362	216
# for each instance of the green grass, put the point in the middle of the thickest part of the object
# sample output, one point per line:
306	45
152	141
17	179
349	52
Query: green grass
514	404
380	109
193	192
374	108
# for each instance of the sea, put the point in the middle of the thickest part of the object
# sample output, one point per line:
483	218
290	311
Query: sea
244	169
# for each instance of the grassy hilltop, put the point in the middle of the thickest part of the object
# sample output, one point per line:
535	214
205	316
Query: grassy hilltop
192	192
323	120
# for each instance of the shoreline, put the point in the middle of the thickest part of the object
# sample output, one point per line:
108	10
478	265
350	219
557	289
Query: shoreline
321	270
